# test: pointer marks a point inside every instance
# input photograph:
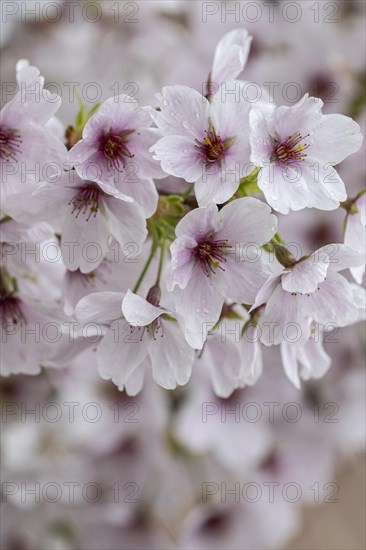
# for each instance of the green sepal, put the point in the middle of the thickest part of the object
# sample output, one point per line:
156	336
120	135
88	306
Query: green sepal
84	115
249	184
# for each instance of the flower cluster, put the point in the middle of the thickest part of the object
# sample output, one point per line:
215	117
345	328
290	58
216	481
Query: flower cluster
165	282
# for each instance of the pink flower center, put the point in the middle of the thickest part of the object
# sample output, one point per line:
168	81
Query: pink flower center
10	142
11	311
211	254
291	149
86	202
115	150
213	148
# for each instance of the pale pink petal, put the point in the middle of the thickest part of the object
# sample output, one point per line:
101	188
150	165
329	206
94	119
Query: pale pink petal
171	357
284	319
305	276
266	291
138	311
140	146
215	186
284	187
182	261
290	364
241	280
246	220
341	256
142	191
135	382
121	352
332	304
199	304
303	117
179	157
84	242
101	307
326	188
126	221
335	138
82	150
184	111
251	362
260	141
198	223
314	361
231	55
229	113
224	362
355	234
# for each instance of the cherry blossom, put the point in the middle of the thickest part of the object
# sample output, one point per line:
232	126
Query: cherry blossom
210	261
27	144
140	334
114	151
87	217
296	148
205	143
309	290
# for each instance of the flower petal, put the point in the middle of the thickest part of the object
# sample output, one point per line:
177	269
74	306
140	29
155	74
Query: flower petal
138	311
182	261
305	276
171	357
302	117
223	360
246	221
183	112
102	307
231	55
121	352
199	223
179	157
284	187
335	138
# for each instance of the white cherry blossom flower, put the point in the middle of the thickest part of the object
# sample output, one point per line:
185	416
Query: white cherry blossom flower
205	143
139	335
211	263
296	148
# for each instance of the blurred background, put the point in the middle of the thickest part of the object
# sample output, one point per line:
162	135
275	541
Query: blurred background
86	467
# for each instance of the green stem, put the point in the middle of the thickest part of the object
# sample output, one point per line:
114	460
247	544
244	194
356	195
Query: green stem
146	267
161	263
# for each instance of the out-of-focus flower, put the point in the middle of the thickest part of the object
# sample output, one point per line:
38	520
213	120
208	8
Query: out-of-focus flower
355	233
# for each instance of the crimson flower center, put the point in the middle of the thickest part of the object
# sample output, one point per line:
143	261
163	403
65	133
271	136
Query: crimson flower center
211	254
10	142
86	202
213	147
115	149
291	149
